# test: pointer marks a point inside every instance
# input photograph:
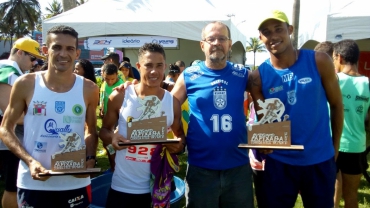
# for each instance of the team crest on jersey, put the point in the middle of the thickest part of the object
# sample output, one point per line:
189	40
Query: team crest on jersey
219	97
60	106
39	108
292	98
77	109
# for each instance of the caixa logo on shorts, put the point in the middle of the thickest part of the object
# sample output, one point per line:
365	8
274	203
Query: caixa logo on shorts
75	201
51	127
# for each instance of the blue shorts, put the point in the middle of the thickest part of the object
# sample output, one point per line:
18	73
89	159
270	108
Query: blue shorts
77	198
282	183
231	188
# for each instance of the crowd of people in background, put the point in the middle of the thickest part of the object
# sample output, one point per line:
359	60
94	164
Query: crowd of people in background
325	97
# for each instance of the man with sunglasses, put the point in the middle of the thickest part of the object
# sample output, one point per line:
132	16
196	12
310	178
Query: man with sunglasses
21	59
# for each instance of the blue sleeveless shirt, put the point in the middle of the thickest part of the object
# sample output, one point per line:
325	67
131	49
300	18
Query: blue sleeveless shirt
216	121
299	87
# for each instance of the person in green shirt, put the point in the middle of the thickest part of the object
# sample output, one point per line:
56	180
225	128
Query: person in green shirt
111	80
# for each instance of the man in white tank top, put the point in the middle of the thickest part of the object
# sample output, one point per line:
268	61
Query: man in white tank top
131	178
55	102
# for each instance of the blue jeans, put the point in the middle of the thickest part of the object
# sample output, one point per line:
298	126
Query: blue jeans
219	188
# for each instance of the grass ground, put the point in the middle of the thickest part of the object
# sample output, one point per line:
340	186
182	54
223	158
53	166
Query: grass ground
364	190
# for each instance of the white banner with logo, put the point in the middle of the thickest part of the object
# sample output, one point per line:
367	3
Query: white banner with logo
98	43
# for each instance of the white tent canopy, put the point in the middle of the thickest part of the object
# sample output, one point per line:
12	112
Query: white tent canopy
335	21
171	18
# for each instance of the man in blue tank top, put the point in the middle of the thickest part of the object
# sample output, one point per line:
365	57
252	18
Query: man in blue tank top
306	83
219	174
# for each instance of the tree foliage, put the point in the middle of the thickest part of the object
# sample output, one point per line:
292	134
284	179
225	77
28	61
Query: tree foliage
256	46
54	8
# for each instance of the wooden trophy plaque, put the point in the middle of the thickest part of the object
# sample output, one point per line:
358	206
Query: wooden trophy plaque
267	134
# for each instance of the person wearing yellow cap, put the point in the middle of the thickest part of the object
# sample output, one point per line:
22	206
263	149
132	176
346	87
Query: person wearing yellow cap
21	59
307	84
59	109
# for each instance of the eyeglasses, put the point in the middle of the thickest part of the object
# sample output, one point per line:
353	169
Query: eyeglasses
212	40
32	57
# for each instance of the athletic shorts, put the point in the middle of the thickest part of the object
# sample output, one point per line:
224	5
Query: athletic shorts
123	200
10	167
77	198
352	163
282	183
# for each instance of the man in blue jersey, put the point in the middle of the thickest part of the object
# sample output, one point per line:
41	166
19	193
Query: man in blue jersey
355	92
219	174
308	83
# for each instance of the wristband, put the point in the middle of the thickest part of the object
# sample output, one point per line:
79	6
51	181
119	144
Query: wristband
90	157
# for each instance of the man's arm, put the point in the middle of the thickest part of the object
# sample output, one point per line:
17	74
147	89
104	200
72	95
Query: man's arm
91	96
107	134
255	88
5	90
22	88
177	129
179	90
330	83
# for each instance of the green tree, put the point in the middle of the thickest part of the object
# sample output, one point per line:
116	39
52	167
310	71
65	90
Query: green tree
54	8
255	45
19	17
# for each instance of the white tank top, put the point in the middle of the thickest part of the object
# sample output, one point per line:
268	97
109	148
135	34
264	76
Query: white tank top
50	114
132	171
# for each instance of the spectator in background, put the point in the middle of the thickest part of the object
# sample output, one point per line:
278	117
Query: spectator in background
173	74
351	160
84	68
134	70
37	66
113	58
326	47
181	65
126	69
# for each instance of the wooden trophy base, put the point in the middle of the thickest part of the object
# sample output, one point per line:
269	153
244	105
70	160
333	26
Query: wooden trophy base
149	142
77	172
291	147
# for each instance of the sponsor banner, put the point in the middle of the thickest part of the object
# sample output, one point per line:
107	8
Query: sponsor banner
98	43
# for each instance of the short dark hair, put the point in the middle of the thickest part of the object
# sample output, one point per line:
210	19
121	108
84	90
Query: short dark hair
89	71
62	29
110	69
219	23
126	59
151	47
180	63
326	47
348	49
173	70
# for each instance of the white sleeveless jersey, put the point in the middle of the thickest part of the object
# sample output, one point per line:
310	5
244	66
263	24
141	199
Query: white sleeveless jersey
132	171
51	115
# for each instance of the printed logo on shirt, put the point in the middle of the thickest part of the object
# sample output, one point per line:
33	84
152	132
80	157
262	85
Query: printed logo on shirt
362	98
347	96
40	146
72	119
305	80
219	97
287	77
39	108
238	74
53	130
24	204
273	90
77	109
292	98
195	72
60	107
360	110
